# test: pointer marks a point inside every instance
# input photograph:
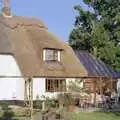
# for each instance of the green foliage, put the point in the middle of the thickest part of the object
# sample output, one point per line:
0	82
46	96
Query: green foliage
37	104
98	31
49	102
75	86
5	106
80	37
8	114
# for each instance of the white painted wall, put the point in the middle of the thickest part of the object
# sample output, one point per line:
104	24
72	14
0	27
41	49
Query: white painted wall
38	87
10	88
40	90
118	87
13	88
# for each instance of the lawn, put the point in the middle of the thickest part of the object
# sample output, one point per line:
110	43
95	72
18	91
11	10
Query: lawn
95	116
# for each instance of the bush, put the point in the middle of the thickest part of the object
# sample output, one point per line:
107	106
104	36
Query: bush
8	114
49	102
37	104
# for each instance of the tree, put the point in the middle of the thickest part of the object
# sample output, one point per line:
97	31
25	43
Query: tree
98	31
75	86
80	37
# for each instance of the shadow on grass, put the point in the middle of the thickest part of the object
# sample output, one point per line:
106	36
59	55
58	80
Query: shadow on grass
116	113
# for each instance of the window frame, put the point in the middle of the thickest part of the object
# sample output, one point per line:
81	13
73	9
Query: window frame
51	86
52	50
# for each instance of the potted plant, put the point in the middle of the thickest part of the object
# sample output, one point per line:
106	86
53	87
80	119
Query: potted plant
70	101
67	100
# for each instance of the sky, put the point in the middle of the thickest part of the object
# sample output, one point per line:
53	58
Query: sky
57	15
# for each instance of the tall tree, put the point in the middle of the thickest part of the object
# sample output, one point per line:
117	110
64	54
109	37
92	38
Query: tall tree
98	31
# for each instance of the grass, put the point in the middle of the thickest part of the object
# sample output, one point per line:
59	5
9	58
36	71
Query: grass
95	116
19	114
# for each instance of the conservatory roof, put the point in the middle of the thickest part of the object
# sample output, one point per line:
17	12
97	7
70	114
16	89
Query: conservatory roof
95	67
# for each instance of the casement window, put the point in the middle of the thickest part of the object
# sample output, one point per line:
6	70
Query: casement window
51	55
53	85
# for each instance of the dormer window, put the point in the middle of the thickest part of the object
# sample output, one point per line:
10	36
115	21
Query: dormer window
51	55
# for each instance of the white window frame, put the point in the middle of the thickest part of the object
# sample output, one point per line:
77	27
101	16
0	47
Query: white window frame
58	52
44	53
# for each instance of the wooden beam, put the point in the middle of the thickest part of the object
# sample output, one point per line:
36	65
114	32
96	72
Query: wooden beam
94	92
31	98
101	83
25	93
28	94
111	85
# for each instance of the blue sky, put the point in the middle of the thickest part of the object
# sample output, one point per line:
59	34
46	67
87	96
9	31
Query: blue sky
57	15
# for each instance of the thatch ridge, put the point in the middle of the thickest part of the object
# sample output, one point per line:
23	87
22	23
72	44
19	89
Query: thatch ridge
19	21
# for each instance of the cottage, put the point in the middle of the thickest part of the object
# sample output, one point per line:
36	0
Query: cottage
31	58
29	51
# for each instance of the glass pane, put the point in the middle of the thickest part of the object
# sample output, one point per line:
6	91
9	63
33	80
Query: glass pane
51	55
55	55
56	85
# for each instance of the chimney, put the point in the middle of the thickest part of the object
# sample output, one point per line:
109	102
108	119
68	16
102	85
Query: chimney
6	11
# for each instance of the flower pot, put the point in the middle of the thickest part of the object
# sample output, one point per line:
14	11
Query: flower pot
71	108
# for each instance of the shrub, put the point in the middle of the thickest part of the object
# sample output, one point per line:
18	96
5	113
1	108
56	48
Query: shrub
49	102
8	114
37	104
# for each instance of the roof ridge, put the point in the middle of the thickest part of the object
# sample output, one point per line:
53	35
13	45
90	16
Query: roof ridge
21	22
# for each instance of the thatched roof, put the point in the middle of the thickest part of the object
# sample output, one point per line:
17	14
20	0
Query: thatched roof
25	38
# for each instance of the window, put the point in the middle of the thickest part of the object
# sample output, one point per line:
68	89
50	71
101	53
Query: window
51	55
53	85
